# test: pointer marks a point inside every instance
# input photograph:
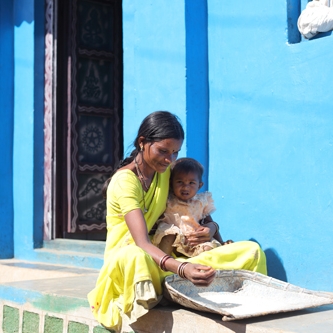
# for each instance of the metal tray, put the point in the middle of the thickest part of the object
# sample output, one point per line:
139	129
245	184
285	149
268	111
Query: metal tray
240	294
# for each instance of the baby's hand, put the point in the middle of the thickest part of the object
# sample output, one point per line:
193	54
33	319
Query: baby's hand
199	236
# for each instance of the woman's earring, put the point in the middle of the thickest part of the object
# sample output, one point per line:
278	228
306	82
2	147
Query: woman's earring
141	147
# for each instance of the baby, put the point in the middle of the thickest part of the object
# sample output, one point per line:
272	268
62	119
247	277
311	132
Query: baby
186	211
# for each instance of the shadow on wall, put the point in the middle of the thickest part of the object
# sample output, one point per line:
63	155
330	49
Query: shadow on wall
197	86
275	267
24	12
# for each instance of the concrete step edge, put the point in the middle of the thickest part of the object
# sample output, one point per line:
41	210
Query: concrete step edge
94	247
68	258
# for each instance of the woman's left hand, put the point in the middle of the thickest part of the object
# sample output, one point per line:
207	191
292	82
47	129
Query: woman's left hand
199	236
199	275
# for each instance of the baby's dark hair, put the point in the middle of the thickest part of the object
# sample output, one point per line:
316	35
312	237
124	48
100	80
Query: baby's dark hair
186	165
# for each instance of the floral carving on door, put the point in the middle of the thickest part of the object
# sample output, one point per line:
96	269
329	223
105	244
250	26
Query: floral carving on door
94	119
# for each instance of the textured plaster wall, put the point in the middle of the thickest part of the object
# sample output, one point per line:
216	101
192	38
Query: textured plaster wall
270	138
154	62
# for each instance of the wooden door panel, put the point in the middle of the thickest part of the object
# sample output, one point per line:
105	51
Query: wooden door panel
93	145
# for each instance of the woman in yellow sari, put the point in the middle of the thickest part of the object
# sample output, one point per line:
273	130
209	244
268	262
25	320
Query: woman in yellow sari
130	281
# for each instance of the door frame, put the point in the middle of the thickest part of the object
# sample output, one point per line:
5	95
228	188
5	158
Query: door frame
53	167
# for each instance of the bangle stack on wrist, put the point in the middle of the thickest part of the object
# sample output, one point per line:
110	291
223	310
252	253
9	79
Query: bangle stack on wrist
181	270
163	261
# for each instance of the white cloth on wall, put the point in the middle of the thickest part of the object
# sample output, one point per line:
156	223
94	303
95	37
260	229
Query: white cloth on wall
316	17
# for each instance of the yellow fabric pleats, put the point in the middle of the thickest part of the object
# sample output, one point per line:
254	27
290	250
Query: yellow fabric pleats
125	264
239	255
114	293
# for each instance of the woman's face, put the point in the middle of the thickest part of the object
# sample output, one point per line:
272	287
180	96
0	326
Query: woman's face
159	155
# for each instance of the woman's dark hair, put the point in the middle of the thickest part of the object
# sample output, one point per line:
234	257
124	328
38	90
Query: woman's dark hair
187	165
157	126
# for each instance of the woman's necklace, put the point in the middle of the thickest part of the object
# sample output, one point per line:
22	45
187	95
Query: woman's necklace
143	183
140	175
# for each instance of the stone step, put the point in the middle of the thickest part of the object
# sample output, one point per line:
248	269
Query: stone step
66	252
93	247
69	258
13	270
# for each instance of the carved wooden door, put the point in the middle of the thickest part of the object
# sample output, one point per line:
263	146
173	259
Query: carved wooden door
93	142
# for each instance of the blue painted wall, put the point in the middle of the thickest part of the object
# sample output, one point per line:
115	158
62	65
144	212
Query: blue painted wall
166	68
270	138
28	126
197	90
264	104
154	62
267	109
6	129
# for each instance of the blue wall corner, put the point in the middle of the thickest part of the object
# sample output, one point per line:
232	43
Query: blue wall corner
28	154
293	12
39	61
23	12
6	129
197	91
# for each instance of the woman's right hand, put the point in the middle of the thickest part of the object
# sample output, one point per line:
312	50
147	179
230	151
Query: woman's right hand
199	275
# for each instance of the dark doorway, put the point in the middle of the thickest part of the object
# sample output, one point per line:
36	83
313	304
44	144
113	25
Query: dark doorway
88	113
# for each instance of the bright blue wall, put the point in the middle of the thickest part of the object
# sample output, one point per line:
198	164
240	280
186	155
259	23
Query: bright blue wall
269	120
28	125
154	62
270	141
6	129
166	68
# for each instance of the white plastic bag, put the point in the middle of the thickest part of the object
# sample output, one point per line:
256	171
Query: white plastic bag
316	17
